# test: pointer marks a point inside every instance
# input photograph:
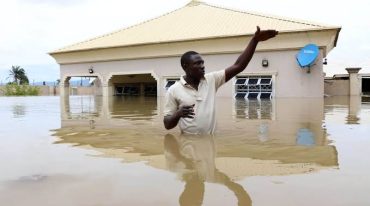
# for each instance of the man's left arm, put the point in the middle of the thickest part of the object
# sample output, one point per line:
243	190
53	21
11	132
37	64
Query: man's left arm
245	57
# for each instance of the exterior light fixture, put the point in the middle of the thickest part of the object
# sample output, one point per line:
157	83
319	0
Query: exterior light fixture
91	70
265	63
325	62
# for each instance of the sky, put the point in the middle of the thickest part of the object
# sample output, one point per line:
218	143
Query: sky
32	28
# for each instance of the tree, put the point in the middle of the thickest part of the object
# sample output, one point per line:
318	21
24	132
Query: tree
18	75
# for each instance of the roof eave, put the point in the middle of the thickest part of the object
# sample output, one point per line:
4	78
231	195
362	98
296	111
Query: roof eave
337	36
196	39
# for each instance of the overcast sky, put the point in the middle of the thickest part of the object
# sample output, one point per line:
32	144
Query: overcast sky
32	28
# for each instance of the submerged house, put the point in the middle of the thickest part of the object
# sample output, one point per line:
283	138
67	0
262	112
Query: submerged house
145	59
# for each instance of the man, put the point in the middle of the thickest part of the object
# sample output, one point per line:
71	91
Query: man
190	102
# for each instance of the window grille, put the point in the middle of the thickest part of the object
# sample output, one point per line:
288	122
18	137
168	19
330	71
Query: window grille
253	87
170	82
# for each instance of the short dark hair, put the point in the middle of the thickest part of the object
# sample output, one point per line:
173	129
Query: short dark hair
186	57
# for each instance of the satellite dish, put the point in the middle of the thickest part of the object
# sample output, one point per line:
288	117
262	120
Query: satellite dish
307	55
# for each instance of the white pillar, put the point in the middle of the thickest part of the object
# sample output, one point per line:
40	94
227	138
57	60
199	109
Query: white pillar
354	81
105	88
64	87
64	108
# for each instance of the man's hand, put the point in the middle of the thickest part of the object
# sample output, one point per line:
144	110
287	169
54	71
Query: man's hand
186	111
171	121
264	34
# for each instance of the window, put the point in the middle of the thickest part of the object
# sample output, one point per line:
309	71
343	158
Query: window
253	87
150	90
241	81
240	95
265	81
253	81
170	82
253	95
265	95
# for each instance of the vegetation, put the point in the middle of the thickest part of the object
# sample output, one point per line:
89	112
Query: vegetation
19	85
13	89
18	75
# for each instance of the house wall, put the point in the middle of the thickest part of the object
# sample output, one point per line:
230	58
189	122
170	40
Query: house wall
43	90
289	80
337	87
51	90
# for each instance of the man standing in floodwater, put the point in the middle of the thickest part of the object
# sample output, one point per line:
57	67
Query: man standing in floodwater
190	102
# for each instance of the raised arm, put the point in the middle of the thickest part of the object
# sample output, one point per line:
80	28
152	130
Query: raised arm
245	57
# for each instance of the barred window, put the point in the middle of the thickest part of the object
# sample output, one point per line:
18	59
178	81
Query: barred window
253	87
170	82
241	81
240	95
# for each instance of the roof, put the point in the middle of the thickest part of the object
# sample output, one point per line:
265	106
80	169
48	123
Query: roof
196	20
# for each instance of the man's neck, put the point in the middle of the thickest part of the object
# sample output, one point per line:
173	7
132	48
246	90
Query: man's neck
192	82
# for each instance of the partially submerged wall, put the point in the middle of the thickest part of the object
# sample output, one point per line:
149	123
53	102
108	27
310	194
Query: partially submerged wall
51	90
336	87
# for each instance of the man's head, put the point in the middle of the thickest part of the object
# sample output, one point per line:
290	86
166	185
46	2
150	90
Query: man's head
193	64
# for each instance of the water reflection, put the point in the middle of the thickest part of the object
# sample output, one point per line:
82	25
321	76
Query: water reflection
80	107
255	138
18	110
365	99
97	107
133	108
350	105
354	109
291	130
254	109
193	159
247	159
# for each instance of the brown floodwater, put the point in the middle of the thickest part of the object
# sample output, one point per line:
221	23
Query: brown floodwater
86	150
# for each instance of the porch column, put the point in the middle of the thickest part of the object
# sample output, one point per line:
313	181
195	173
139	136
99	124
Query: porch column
64	87
354	81
107	89
64	108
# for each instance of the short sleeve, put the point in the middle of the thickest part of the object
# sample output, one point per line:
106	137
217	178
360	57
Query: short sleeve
219	78
170	105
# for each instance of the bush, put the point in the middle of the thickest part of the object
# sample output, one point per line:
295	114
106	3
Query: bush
20	90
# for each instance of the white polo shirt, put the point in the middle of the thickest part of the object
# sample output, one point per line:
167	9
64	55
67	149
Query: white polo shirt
181	93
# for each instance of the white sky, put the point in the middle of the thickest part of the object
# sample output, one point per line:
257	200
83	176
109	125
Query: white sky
32	28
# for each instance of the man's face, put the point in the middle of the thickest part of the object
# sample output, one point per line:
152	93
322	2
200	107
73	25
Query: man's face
195	67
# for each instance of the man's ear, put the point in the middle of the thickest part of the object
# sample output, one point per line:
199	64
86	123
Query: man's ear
184	66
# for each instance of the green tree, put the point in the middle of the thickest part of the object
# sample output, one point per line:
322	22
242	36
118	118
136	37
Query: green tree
18	75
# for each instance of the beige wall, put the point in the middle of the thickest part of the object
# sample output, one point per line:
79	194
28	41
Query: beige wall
337	87
50	90
44	90
289	79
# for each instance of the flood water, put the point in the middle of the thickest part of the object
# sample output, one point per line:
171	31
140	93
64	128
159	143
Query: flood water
84	150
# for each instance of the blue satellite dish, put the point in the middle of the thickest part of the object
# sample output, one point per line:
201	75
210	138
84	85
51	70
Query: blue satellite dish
307	55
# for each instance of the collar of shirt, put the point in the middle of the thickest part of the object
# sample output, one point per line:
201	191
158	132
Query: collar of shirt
185	84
